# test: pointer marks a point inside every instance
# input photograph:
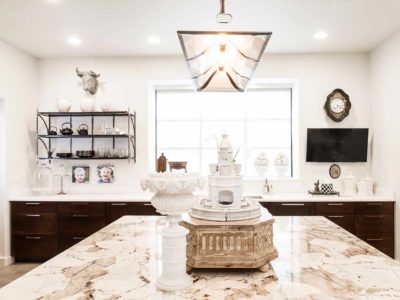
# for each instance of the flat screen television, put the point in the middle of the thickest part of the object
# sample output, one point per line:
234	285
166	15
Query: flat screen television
337	145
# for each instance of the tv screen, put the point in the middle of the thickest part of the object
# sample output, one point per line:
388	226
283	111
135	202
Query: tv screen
337	145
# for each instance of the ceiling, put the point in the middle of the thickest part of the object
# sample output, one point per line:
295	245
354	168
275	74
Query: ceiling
122	27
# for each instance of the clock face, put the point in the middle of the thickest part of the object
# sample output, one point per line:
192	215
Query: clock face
337	105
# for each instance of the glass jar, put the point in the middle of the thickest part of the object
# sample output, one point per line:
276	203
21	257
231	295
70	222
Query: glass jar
43	180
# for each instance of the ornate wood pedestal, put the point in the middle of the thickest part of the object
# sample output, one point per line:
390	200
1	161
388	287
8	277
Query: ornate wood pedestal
237	244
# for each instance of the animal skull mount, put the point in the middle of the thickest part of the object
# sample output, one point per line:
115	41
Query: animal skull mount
89	80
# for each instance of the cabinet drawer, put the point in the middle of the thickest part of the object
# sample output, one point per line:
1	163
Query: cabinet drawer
334	207
80	224
143	208
292	208
375	208
34	223
346	221
374	225
67	241
34	247
116	210
383	244
81	207
33	207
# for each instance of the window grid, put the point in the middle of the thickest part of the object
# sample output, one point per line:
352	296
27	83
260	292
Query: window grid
246	149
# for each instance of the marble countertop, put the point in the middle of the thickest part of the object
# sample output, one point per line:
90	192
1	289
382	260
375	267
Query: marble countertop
146	196
317	260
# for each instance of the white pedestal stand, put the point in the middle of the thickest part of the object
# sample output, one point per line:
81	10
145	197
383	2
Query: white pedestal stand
174	275
173	197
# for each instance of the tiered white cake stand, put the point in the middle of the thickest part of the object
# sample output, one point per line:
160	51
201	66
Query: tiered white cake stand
173	197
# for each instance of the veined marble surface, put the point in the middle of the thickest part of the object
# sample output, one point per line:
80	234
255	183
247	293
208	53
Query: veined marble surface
317	260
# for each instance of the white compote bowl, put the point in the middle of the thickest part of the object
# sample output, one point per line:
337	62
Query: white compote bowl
173	197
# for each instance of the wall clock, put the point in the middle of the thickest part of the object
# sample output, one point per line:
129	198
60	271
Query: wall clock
337	105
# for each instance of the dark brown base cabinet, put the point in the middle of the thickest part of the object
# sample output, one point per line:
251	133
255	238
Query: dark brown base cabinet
372	222
41	230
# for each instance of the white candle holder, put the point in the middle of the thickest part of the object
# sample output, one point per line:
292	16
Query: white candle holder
173	197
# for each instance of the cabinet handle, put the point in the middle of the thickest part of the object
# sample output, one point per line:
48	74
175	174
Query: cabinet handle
292	204
33	237
147	204
335	204
32	216
370	240
335	216
118	204
374	204
373	217
32	203
80	216
77	238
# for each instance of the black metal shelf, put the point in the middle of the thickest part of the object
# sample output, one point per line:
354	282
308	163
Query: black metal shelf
86	114
46	139
85	136
84	158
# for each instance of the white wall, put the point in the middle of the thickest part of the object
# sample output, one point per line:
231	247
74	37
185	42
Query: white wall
127	80
18	89
385	107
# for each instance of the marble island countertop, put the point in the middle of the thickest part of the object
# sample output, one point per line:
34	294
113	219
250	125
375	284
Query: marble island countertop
317	260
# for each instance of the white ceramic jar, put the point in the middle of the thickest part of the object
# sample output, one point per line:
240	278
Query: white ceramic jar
350	185
107	105
362	187
63	104
88	104
370	185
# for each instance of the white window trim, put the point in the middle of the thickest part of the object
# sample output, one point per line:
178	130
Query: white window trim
256	83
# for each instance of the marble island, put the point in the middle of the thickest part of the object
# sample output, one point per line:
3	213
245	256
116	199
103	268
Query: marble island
317	260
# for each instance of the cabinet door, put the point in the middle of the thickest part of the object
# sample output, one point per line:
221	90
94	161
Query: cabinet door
143	209
34	223
381	225
34	247
345	221
334	207
383	244
291	208
116	210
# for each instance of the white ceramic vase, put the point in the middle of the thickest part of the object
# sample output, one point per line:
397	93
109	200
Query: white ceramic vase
107	105
173	197
63	105
88	104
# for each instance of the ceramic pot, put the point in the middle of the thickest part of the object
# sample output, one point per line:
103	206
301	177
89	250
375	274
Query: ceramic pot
362	187
350	185
63	105
88	104
370	185
107	105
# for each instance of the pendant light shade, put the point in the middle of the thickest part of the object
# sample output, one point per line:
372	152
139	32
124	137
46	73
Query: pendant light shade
222	61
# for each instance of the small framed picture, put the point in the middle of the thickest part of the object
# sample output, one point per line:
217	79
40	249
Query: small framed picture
80	174
105	173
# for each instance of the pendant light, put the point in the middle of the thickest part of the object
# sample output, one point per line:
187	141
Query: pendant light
222	61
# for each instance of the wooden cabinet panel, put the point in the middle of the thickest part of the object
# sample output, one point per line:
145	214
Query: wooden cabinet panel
383	244
34	207
292	208
81	207
67	241
345	221
116	210
79	223
334	207
34	247
34	223
374	208
381	225
144	209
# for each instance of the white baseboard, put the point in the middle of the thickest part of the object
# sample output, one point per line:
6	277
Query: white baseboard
6	261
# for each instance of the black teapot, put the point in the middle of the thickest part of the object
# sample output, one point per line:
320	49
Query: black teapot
52	130
83	129
65	130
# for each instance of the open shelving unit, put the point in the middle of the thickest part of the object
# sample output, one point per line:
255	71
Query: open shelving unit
48	119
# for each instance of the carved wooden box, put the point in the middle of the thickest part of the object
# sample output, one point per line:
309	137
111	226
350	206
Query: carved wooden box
237	244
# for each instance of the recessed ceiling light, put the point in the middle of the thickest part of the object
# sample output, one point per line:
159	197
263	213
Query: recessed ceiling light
74	41
153	39
320	35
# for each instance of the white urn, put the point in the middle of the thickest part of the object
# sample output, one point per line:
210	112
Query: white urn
107	104
173	197
63	104
88	104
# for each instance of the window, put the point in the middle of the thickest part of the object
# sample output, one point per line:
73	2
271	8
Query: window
189	123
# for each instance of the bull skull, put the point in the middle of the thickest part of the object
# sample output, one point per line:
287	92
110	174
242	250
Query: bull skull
89	80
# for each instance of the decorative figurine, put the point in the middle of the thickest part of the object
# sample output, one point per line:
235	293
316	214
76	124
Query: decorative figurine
89	80
316	187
